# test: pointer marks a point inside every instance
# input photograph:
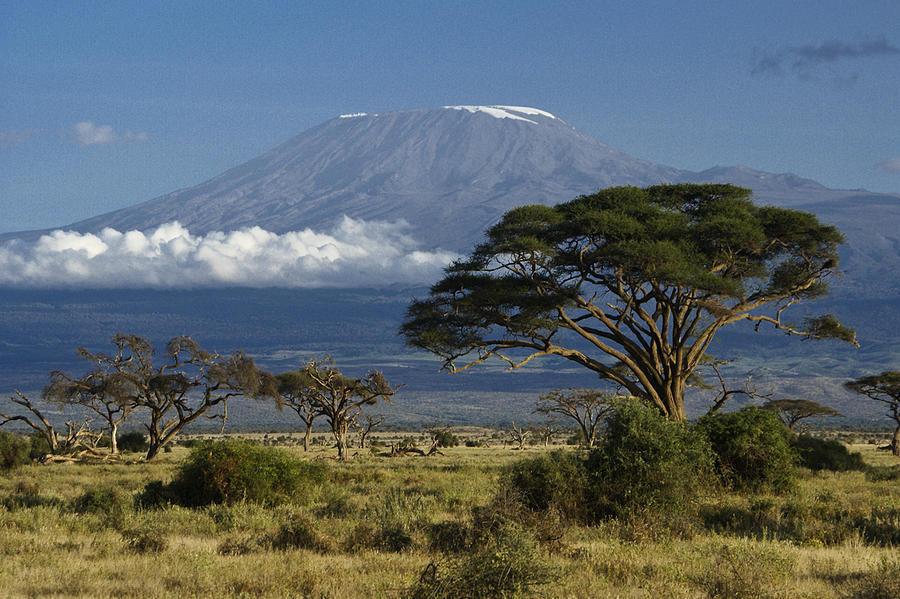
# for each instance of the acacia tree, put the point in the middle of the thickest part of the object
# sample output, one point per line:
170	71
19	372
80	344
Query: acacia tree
103	392
630	283
792	411
884	387
587	407
189	384
340	399
296	391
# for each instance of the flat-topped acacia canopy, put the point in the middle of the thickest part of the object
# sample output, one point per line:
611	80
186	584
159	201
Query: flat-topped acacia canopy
632	283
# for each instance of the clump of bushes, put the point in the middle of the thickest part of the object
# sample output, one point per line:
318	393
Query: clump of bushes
753	449
135	441
236	470
14	451
826	454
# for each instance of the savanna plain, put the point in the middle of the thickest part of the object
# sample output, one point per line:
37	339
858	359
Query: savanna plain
478	519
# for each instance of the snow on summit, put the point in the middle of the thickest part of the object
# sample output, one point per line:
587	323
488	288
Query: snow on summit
505	112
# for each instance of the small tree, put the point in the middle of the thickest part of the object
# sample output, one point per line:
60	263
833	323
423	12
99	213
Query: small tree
587	407
792	411
296	391
885	388
105	393
519	435
340	399
365	424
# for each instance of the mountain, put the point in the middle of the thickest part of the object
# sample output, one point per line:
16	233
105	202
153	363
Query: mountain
467	165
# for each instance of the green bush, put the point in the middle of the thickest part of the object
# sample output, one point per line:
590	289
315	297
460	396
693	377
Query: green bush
647	464
102	500
557	479
446	439
39	446
753	449
14	451
509	564
824	454
233	470
300	533
135	441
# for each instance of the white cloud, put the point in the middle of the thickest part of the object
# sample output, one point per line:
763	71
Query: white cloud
355	254
87	133
892	165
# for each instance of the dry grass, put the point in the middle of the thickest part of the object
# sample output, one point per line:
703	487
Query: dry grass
48	550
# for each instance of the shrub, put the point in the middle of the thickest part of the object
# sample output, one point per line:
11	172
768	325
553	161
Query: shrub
822	454
144	541
556	479
883	473
135	441
232	471
102	500
14	451
300	533
39	446
752	448
647	464
508	565
446	439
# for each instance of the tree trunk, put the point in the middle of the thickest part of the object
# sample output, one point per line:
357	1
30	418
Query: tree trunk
895	446
307	436
113	442
340	436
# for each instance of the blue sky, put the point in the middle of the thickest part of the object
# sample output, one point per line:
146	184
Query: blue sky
104	105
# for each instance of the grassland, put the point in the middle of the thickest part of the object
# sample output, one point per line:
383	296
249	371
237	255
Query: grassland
380	521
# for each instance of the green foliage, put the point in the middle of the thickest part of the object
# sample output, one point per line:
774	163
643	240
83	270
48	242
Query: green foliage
14	451
133	441
39	446
753	449
102	499
445	438
301	533
826	454
551	480
881	473
234	470
648	463
697	253
508	564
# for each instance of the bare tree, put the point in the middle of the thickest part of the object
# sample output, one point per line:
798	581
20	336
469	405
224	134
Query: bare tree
78	433
368	424
340	399
587	407
792	411
519	435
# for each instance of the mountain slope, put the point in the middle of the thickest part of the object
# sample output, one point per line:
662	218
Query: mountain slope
461	165
451	172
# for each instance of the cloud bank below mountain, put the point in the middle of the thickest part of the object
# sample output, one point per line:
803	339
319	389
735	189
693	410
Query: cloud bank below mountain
355	253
